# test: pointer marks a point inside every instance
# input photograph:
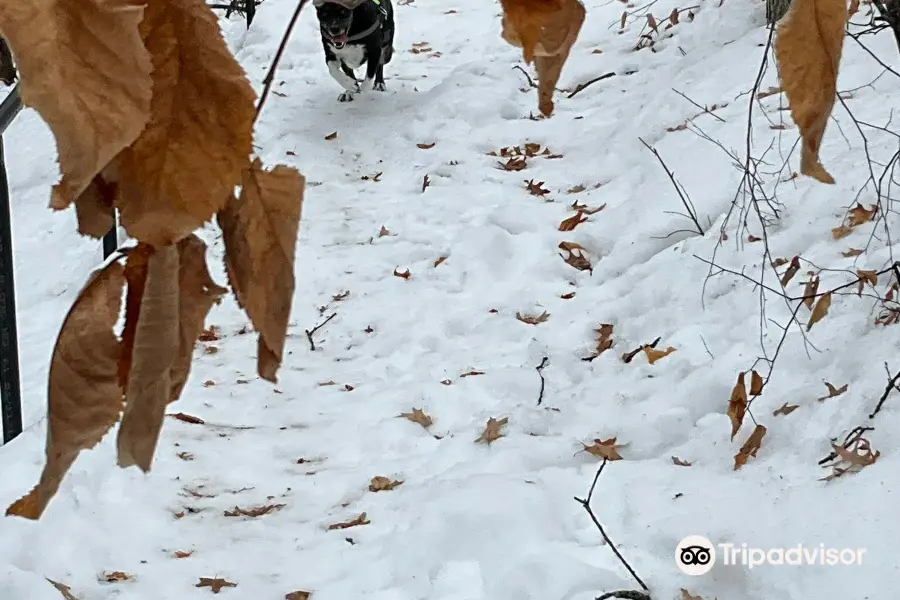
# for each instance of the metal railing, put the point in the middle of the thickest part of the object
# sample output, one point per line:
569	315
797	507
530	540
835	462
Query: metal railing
10	385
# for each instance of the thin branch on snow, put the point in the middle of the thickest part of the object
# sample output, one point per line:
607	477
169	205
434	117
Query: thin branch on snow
540	368
527	76
893	380
582	86
625	595
311	332
586	504
682	193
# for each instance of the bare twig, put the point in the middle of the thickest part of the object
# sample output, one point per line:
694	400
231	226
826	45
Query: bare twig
703	108
540	368
527	76
310	332
891	385
270	76
586	504
625	595
581	86
688	205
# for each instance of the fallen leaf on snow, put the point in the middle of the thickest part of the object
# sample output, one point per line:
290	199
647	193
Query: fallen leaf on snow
187	418
679	462
256	511
425	146
533	319
401	274
833	392
418	416
575	256
63	589
114	576
183	554
604	341
298	595
654	355
439	260
785	409
359	520
572	222
851	252
215	584
607	449
491	431
380	483
331	136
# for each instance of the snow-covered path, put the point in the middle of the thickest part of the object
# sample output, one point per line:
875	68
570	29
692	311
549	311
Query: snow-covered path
470	520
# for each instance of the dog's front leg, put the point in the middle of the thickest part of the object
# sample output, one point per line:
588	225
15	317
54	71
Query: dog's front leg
344	80
373	62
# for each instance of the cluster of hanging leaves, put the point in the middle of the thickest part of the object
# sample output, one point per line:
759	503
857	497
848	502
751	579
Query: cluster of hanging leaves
155	121
808	44
545	30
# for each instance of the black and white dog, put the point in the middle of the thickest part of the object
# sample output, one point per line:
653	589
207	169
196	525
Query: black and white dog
356	32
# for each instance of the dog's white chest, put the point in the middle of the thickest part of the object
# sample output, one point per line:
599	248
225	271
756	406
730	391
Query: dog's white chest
353	55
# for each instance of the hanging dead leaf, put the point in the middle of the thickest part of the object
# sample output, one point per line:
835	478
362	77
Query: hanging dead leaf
737	404
380	483
575	256
785	409
808	44
360	520
215	584
810	289
491	431
750	447
833	392
84	395
859	215
870	277
106	104
679	462
256	511
418	416
819	311
260	234
654	355
94	209
607	449
604	341
756	384
150	376
851	457
533	319
854	6
792	270
572	222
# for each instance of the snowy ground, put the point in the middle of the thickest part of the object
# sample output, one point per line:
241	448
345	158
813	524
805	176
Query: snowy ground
473	521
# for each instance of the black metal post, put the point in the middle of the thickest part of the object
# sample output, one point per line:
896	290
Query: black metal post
250	10
10	392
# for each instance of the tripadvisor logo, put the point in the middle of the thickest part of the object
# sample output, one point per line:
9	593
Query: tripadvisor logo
696	555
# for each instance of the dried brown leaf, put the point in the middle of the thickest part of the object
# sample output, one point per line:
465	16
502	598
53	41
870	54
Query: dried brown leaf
681	463
260	233
607	449
841	232
533	319
114	576
756	384
604	341
833	391
299	594
256	511
572	222
575	256
183	553
215	584
379	483
852	252
810	289
750	447
359	520
418	416
63	589
156	342
792	270
95	101
425	146
439	260
808	43
186	418
491	431
331	136
401	274
685	595
819	310
84	395
870	277
94	209
654	355
860	215
186	163
785	409
737	404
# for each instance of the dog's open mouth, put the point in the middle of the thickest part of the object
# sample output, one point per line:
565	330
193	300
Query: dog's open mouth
340	39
